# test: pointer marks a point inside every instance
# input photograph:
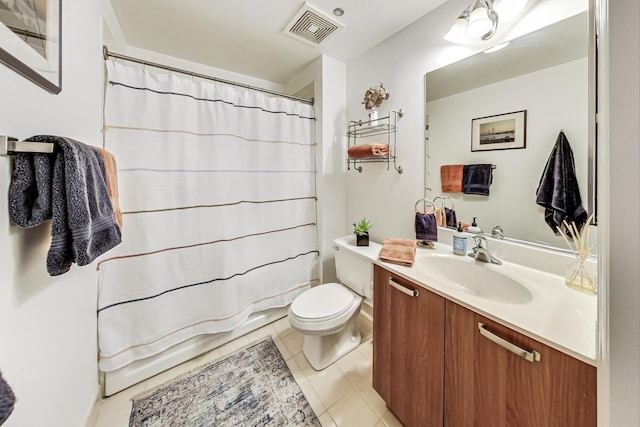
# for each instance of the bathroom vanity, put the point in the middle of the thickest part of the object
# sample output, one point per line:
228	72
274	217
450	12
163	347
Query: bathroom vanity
457	342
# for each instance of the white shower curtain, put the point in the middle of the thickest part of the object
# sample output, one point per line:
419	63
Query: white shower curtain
217	189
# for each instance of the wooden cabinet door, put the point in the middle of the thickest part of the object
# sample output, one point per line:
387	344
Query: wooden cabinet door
408	349
488	385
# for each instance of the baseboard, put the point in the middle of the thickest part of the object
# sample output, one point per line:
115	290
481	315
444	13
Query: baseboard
92	417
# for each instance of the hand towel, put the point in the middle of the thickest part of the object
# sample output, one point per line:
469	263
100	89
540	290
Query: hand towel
558	190
30	189
450	215
368	150
426	227
398	251
451	177
441	218
7	400
111	171
83	224
476	179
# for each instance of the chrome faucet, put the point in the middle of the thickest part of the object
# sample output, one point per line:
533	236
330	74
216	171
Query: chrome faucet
497	232
481	251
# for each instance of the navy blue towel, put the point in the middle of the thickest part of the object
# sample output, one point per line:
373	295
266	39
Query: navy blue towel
476	179
558	190
426	227
450	215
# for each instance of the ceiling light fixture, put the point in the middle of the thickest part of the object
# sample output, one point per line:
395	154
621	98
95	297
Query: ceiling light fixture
338	11
480	19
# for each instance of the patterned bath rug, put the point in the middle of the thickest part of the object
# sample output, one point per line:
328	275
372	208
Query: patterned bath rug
253	387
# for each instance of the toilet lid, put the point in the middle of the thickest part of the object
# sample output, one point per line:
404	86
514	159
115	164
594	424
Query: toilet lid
322	301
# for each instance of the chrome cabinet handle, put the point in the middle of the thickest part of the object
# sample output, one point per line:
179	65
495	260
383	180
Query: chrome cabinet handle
531	356
398	286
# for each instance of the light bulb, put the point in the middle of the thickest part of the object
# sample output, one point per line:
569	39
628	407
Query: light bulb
456	33
479	23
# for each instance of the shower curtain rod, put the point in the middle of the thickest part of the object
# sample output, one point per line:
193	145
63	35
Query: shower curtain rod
106	53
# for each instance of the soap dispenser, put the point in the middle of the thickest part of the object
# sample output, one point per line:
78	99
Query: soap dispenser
473	228
459	241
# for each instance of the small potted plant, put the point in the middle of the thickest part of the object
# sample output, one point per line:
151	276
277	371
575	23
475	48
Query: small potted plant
361	230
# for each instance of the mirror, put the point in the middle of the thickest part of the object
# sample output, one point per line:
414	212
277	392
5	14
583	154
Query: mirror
545	73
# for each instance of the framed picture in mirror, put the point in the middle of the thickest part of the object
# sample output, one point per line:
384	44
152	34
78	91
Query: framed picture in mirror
500	132
30	40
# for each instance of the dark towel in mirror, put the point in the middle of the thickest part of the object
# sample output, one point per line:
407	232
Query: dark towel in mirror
426	227
476	179
451	219
7	400
558	190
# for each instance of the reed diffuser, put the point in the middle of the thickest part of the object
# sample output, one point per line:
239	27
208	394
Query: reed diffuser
578	275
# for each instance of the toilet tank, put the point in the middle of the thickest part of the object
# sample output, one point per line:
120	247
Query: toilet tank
353	270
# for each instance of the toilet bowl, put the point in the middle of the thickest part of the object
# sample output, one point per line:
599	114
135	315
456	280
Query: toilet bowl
327	314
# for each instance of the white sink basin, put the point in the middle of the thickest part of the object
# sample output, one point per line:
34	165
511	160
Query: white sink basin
475	277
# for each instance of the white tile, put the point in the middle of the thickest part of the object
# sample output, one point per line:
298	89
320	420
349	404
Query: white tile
262	333
390	420
283	327
326	420
294	342
353	410
286	354
114	411
233	346
313	398
331	385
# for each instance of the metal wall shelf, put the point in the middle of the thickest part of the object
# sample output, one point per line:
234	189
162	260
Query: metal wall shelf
386	126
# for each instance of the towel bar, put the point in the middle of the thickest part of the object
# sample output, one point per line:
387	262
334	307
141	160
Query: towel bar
9	145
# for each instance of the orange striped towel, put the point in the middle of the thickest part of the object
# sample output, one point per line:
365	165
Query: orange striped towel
398	251
112	182
368	150
451	177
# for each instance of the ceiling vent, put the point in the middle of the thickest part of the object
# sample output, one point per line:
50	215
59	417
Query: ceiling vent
311	26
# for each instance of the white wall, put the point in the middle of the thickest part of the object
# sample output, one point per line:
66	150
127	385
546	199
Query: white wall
48	324
511	202
329	78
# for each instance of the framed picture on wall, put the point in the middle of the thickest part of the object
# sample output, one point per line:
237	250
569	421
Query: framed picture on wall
499	132
30	40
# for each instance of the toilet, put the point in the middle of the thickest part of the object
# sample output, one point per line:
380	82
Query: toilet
326	314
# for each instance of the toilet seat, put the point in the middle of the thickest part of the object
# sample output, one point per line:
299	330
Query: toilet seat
323	302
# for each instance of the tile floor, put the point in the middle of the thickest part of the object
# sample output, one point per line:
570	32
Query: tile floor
341	395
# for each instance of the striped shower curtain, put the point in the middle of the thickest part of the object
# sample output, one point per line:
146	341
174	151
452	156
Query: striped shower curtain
217	190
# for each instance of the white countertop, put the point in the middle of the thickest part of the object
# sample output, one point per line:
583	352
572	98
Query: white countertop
556	315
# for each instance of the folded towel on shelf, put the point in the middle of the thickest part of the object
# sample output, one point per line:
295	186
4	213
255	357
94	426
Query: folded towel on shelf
398	251
368	150
558	190
450	217
111	172
30	189
451	178
426	227
7	400
83	224
476	179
